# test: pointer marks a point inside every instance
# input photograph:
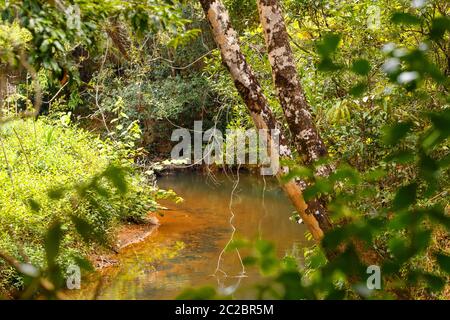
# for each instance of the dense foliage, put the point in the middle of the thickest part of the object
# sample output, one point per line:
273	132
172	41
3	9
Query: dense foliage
376	75
52	172
381	102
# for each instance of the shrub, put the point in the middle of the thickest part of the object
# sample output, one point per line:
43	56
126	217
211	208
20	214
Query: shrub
52	171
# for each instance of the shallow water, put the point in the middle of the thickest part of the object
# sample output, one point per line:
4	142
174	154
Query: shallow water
184	251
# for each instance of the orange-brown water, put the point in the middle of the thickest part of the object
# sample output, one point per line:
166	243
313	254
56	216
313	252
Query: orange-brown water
184	252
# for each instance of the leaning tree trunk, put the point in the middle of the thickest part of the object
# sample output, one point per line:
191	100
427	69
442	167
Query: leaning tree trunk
295	107
306	138
250	91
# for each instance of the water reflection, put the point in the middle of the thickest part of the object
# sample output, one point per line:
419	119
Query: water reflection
185	250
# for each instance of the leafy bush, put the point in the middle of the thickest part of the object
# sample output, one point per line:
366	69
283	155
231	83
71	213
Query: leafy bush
51	172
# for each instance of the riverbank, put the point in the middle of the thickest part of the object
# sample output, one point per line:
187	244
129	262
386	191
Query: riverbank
126	235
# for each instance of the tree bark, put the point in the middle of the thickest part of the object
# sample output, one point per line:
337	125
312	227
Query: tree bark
119	37
251	92
297	110
3	88
306	138
290	92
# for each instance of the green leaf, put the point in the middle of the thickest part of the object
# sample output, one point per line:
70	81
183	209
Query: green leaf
428	167
326	64
344	174
44	45
237	244
405	197
402	157
56	194
336	236
399	249
405	18
405	220
289	263
444	162
435	282
321	186
249	261
443	260
438	216
84	264
393	134
358	89
87	231
264	247
34	205
420	240
375	175
117	176
440	130
291	282
439	27
297	172
328	45
268	264
361	67
53	242
317	260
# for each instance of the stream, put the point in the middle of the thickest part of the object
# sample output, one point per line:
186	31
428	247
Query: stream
184	251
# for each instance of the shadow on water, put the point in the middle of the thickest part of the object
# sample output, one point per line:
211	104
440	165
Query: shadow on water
184	251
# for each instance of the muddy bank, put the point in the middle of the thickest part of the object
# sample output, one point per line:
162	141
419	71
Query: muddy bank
127	235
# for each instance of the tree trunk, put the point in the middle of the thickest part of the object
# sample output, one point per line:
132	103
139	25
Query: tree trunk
3	88
119	37
295	107
307	140
250	91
